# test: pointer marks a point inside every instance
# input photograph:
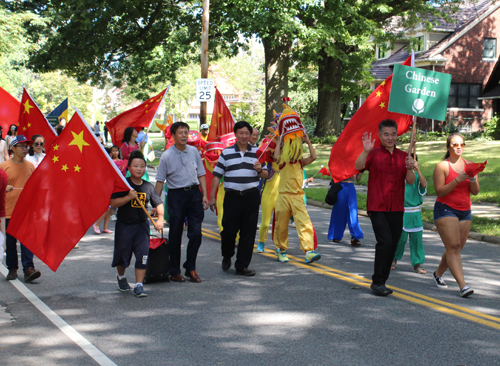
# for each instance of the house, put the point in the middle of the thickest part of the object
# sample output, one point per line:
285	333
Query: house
466	49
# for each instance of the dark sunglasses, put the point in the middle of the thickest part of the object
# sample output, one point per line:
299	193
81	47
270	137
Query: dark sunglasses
456	144
39	144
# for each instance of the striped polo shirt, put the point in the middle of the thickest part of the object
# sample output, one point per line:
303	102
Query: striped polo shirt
237	168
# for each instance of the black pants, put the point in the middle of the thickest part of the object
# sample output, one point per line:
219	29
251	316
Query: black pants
241	213
182	204
387	227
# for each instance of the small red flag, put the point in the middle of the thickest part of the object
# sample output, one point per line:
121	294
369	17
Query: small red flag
33	122
472	169
66	194
9	110
324	171
349	145
138	117
222	119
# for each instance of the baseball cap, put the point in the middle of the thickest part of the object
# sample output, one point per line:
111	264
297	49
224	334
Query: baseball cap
18	139
204	127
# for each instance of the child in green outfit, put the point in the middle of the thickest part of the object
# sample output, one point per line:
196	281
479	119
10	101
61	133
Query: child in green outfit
412	223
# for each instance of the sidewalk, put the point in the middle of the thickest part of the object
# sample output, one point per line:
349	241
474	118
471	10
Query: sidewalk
489	210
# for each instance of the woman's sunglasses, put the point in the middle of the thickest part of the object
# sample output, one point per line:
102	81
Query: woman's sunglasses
456	144
39	144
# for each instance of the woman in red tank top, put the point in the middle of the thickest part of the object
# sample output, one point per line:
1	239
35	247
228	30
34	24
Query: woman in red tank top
452	213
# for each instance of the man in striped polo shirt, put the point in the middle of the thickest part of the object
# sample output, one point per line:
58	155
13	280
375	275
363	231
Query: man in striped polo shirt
241	170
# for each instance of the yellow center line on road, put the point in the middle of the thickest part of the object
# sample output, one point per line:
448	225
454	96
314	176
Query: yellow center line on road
433	303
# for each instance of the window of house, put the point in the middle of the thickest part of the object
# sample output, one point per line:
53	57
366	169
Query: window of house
420	46
381	53
464	96
489	47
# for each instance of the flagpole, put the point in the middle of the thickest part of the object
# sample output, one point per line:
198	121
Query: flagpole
156	112
413	135
146	211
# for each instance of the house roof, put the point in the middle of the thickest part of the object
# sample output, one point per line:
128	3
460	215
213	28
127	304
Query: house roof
492	88
468	16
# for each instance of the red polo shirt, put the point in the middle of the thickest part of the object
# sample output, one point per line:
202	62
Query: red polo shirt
386	181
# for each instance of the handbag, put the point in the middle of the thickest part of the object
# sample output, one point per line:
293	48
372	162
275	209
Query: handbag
333	190
158	269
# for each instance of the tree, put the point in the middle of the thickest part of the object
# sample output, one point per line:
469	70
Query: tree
338	37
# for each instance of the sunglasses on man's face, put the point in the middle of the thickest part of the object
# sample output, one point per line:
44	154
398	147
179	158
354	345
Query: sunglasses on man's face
39	144
456	144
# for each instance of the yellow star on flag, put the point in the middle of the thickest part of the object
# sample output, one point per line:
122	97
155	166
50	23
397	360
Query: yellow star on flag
383	83
77	168
146	111
220	115
55	158
29	125
27	106
64	167
382	105
56	147
146	105
24	128
78	141
159	100
379	93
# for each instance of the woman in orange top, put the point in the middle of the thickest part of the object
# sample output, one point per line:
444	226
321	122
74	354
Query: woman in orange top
452	211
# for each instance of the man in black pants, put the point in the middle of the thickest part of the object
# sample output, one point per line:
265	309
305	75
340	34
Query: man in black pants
389	168
241	170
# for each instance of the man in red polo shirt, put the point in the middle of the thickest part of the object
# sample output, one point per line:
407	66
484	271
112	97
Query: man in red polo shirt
389	168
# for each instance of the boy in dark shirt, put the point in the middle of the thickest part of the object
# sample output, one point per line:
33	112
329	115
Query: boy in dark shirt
132	227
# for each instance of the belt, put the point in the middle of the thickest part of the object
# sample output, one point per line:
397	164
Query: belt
241	193
187	188
413	209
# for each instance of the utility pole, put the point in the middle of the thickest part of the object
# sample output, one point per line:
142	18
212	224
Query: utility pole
204	55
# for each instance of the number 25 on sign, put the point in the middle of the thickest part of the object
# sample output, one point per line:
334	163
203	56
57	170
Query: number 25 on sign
205	90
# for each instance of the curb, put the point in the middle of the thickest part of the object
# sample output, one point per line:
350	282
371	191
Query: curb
427	225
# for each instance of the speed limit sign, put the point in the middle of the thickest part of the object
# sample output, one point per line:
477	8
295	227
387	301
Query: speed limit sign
205	90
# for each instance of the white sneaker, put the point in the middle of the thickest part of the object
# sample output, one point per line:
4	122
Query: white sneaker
113	218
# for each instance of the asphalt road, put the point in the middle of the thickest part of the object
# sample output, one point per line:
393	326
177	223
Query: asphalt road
288	314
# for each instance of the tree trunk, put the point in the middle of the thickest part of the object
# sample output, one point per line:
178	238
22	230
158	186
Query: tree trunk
277	59
329	96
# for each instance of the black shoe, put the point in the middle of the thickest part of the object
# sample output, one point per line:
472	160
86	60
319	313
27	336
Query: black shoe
245	272
380	290
226	263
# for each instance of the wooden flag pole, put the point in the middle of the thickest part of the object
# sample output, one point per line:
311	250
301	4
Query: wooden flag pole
413	135
146	211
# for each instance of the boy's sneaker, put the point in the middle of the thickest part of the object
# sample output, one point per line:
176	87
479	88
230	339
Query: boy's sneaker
123	284
466	291
113	218
312	256
139	291
282	257
260	247
439	281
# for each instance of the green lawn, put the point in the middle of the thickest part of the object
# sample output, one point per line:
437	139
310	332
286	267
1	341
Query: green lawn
479	224
431	153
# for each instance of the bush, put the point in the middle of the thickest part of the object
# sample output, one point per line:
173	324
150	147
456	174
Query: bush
492	128
331	139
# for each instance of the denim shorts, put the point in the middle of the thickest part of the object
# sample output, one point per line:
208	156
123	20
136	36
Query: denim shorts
443	210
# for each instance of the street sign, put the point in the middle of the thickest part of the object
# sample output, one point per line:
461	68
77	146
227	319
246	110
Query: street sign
205	90
419	92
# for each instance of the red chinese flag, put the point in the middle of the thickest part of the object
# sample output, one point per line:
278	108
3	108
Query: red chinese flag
324	171
33	122
349	145
222	119
473	169
66	194
138	117
9	110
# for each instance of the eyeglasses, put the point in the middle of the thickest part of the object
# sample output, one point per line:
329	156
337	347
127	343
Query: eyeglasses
456	144
24	147
39	144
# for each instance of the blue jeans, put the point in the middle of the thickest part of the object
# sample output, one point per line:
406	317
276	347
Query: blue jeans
182	204
11	253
